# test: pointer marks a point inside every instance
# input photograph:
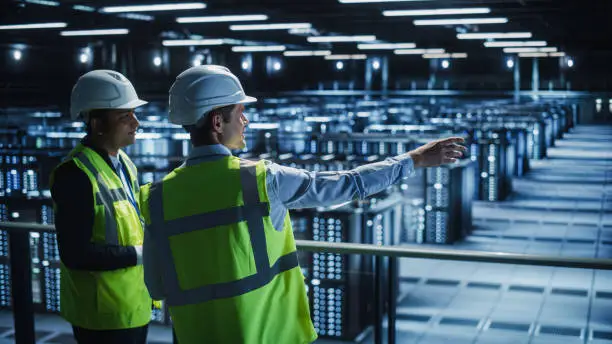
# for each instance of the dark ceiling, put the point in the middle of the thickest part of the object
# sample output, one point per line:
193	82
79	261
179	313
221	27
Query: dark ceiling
574	27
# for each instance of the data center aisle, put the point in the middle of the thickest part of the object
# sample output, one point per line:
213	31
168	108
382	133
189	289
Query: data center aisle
562	207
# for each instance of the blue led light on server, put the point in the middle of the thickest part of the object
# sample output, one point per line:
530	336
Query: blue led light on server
328	310
5	285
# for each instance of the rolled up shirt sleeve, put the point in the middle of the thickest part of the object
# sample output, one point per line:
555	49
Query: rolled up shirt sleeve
298	188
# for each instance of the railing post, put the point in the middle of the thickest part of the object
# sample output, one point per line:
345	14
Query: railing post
392	300
378	306
21	286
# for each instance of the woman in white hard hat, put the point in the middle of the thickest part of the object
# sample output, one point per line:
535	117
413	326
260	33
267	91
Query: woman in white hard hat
219	246
99	228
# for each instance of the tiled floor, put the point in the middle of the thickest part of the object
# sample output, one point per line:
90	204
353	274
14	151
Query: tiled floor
562	207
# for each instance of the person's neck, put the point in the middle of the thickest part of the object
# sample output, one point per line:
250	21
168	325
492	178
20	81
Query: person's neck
198	140
103	145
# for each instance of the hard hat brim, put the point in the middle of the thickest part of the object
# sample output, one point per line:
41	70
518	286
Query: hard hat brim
132	105
247	100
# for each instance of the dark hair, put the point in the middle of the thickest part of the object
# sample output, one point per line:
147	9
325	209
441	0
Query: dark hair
99	114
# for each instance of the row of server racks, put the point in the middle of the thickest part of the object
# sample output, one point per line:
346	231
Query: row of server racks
432	207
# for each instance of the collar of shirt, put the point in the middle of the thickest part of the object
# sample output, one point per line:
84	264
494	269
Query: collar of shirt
115	161
207	153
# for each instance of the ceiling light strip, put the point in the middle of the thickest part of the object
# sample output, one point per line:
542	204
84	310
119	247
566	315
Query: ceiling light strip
530	50
339	39
102	32
217	19
346	57
283	26
191	42
258	48
33	26
494	35
506	44
157	7
385	46
437	12
300	53
418	51
464	21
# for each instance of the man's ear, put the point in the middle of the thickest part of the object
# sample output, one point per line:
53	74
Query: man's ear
217	122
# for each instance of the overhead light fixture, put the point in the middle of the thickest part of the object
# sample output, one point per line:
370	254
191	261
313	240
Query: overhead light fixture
570	62
385	46
298	53
418	51
504	44
84	57
464	21
284	26
437	56
95	32
445	64
190	42
157	61
338	39
151	8
376	64
257	48
494	35
533	55
136	16
557	54
530	50
445	56
510	63
43	2
17	55
346	57
437	12
33	26
218	19
83	8
339	65
373	1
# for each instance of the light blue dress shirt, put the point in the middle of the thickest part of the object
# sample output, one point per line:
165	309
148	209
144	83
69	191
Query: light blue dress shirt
291	188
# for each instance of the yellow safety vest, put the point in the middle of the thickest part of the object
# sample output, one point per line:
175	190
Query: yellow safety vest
105	300
228	275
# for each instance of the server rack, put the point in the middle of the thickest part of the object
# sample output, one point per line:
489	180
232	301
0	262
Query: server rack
340	287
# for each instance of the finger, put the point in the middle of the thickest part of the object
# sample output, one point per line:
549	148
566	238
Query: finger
449	160
454	139
455	146
454	154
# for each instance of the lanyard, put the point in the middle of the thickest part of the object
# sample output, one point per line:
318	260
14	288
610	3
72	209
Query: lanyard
130	193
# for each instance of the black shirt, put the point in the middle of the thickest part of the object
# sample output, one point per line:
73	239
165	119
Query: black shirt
72	193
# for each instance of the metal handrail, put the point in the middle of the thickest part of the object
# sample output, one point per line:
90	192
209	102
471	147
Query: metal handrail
459	255
408	252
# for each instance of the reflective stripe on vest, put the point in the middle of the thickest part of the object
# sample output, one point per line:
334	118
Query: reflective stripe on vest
105	197
253	211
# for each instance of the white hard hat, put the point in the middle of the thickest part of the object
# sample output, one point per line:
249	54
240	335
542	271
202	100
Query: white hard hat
200	89
102	89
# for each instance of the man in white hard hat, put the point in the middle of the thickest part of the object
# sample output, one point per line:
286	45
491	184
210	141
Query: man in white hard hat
99	227
219	246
